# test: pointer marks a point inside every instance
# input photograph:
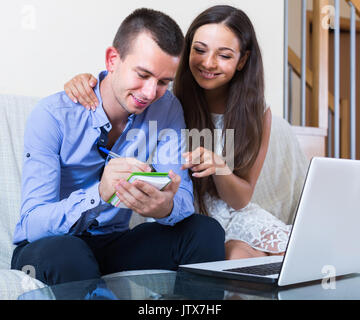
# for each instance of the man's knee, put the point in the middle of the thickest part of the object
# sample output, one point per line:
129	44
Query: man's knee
206	226
207	236
58	259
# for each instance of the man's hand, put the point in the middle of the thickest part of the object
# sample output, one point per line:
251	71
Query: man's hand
116	169
145	199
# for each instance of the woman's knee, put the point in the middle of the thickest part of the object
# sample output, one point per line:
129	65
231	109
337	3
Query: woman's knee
236	249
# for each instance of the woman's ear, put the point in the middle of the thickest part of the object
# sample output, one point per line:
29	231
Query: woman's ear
243	60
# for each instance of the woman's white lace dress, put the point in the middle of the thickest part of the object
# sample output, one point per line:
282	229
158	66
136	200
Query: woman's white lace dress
252	224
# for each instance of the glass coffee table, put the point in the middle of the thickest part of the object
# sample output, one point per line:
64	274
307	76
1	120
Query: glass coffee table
182	285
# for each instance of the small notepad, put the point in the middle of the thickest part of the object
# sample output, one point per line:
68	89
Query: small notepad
157	179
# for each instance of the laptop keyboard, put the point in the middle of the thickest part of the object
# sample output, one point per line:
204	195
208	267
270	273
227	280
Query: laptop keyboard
261	270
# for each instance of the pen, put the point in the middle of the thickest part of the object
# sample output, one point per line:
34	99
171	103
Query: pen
110	153
115	155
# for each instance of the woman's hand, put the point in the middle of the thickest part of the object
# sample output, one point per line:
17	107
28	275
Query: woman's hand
204	162
80	89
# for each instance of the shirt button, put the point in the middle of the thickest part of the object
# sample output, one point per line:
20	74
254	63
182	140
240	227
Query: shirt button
27	155
92	201
107	126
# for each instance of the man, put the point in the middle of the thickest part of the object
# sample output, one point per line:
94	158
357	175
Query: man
67	230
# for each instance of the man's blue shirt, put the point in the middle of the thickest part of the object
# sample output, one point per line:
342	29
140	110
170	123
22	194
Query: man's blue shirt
62	166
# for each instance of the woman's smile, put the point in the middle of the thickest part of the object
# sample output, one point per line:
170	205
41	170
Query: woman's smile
208	75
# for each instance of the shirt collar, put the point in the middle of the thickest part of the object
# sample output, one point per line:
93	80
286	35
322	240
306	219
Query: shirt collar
100	118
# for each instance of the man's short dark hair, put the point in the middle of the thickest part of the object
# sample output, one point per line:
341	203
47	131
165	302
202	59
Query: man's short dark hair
163	29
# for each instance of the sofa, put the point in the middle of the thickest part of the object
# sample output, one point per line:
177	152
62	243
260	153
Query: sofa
278	189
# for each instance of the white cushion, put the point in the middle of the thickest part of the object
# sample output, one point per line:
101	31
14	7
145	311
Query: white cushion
280	183
14	111
13	283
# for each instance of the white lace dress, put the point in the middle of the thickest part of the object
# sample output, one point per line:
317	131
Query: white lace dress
252	224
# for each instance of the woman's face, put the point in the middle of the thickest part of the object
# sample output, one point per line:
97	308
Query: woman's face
214	56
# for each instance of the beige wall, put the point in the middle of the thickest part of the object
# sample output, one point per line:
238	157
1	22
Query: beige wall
44	43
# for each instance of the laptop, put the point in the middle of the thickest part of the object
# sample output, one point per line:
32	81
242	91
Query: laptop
324	240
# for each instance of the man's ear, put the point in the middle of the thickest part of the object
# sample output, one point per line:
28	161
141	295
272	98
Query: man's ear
111	59
243	60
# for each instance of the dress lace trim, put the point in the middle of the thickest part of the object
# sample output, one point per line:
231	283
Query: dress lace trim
252	224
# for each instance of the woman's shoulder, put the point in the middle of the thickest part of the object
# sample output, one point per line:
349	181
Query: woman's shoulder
267	115
267	109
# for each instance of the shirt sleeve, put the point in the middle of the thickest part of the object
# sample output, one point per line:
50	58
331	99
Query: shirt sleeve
43	213
169	150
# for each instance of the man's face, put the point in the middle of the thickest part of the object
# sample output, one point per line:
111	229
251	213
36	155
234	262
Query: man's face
143	76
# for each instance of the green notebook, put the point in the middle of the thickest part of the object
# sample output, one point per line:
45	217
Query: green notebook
157	179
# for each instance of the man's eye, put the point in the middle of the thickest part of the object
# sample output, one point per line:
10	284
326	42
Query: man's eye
142	76
163	83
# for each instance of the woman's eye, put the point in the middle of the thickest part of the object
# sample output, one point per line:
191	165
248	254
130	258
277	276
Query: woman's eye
142	76
225	57
198	50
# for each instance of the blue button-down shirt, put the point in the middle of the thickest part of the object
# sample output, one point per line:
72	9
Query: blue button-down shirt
62	166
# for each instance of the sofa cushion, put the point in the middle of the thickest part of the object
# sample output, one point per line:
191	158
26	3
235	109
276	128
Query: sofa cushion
14	112
14	283
280	183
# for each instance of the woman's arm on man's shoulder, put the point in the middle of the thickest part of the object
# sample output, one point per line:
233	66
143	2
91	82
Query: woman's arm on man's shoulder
80	89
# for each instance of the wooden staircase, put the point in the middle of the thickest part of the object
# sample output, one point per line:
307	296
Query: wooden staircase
313	136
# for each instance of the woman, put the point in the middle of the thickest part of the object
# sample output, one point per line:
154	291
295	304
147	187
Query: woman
220	83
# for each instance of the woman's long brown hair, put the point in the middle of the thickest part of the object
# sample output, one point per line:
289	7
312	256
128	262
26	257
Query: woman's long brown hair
245	104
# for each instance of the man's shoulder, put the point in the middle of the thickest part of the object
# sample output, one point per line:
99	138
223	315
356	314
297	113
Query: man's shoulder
168	101
58	100
169	96
46	117
167	111
56	105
